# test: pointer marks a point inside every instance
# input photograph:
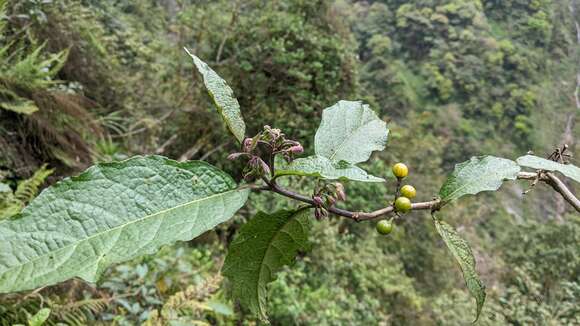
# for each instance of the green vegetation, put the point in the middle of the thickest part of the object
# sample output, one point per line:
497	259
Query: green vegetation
85	82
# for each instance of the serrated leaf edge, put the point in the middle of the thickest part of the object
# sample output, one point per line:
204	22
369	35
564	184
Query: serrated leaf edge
450	195
440	225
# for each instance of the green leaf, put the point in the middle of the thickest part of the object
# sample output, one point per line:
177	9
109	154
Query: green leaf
223	98
350	131
318	166
484	173
111	213
464	257
263	246
39	318
538	163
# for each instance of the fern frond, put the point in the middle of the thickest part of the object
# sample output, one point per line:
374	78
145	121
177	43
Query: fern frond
32	71
12	102
192	301
84	312
28	189
81	312
12	203
3	4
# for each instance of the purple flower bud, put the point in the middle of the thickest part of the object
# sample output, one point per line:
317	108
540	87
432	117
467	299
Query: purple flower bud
265	167
296	149
253	162
317	200
248	144
317	214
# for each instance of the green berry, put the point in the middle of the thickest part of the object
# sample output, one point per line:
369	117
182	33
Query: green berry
384	227
408	191
403	205
400	170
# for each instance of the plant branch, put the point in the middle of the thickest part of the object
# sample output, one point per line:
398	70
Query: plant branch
556	184
434	204
357	216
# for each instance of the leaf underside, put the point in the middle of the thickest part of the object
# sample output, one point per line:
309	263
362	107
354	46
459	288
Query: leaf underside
538	163
464	257
485	173
350	131
223	98
263	246
111	213
321	167
348	134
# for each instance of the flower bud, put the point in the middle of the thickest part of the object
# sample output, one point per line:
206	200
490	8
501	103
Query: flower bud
264	166
340	194
318	200
296	149
331	200
317	214
248	145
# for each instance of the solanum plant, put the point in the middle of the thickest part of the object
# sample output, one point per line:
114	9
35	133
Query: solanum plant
117	211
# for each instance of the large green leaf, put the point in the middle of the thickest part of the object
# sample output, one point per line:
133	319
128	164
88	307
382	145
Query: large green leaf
350	131
318	166
464	257
534	162
223	98
111	213
263	246
479	174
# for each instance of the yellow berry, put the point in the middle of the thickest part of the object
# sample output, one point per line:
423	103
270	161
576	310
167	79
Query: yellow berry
400	170
403	205
408	191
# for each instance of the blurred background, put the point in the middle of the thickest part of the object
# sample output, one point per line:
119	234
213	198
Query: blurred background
85	81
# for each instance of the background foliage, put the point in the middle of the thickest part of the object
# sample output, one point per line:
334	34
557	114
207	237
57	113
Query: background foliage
84	81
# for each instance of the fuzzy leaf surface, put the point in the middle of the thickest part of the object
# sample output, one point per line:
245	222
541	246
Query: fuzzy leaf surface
538	163
111	213
223	98
485	173
464	257
263	246
350	131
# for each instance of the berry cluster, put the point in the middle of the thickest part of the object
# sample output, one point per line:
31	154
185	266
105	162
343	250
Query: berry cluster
402	203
